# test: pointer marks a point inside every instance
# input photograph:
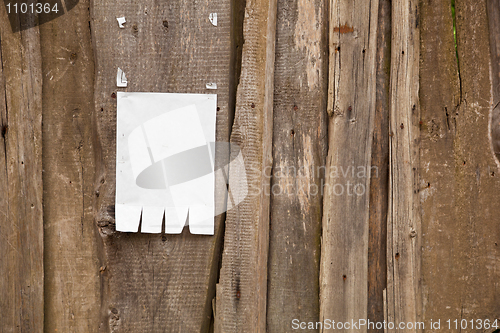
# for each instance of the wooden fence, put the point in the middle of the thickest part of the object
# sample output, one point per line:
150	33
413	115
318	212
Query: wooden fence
369	127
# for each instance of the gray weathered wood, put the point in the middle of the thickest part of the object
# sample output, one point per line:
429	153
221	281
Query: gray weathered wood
155	283
478	182
299	156
439	101
21	224
494	32
459	172
241	292
377	239
72	277
351	106
403	221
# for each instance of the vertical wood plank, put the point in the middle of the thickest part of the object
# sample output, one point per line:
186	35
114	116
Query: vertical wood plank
494	32
478	182
299	156
21	211
403	222
351	107
439	101
379	185
72	277
152	282
460	264
242	289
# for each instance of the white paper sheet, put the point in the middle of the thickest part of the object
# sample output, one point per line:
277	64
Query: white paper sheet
165	162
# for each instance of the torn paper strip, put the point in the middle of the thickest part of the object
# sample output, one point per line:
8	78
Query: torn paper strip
211	85
121	21
121	79
166	171
213	19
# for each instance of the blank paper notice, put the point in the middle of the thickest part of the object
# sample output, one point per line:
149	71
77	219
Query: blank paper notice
165	162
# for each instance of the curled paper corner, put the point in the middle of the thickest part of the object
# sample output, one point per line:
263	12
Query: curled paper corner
213	19
211	85
121	79
121	21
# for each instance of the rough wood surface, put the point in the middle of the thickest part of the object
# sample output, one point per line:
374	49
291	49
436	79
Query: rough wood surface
494	32
299	156
377	239
155	283
21	223
72	278
241	292
439	101
403	221
351	106
461	253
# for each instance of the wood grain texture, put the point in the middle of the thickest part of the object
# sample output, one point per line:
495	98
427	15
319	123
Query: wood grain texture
475	251
351	106
403	221
242	289
72	278
379	185
493	10
439	101
299	157
21	211
155	283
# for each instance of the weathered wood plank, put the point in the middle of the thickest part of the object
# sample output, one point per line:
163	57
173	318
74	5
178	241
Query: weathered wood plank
21	211
299	157
439	101
476	252
241	292
379	191
156	283
494	32
460	265
72	278
351	106
403	221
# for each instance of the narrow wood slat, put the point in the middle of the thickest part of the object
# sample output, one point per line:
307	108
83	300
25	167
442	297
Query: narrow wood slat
299	156
403	222
72	278
439	101
471	250
151	282
493	8
21	211
379	191
351	106
241	292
